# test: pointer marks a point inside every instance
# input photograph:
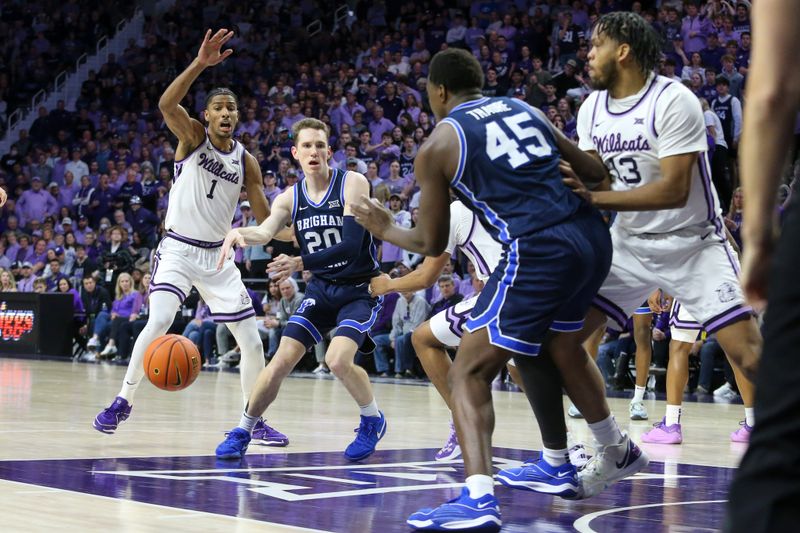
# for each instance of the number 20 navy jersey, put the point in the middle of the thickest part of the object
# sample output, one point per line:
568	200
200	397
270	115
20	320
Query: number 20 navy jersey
508	167
319	226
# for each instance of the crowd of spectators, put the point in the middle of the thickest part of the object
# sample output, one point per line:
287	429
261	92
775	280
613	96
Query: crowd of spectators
41	38
89	187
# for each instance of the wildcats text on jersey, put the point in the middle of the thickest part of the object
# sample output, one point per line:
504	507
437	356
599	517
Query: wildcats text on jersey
614	143
216	168
319	220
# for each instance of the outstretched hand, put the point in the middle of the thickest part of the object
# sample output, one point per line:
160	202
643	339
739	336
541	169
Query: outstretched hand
375	218
209	53
233	238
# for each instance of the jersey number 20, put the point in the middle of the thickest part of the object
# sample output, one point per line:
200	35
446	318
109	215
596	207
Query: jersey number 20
499	143
329	237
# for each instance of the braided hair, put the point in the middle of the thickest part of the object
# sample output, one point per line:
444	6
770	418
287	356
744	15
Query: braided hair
632	29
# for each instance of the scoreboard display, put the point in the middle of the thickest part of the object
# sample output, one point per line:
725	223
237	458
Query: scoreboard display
36	324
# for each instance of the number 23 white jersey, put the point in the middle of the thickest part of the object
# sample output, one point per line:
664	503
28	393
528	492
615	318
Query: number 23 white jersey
205	192
634	133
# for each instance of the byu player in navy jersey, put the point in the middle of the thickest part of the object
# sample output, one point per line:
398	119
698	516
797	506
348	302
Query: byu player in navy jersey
557	253
341	255
211	168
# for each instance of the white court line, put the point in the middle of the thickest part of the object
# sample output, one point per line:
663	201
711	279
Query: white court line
335	479
582	523
200	513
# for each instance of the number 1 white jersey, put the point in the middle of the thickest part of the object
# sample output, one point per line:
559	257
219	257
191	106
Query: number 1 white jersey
467	233
205	192
633	134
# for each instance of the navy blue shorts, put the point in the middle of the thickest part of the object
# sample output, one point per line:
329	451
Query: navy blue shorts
348	308
546	281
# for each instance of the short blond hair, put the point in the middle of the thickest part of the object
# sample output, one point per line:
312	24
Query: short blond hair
312	124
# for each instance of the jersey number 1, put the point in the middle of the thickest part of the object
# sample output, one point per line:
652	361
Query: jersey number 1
498	143
210	194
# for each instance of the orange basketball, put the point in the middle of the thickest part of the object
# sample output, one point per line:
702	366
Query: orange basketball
172	362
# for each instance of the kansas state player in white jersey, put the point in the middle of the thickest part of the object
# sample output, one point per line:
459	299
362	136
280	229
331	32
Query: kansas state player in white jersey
446	327
211	168
501	157
341	255
650	133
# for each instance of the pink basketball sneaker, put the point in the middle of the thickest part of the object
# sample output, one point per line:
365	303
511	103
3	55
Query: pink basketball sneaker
664	434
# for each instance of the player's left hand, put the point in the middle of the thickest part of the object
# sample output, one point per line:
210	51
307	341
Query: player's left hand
375	218
283	266
3	197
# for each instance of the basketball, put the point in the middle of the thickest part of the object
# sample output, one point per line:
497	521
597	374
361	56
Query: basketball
172	362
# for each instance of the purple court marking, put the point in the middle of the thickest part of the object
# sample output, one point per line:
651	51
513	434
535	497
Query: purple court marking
324	491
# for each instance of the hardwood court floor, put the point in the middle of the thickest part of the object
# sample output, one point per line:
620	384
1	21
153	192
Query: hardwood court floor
158	471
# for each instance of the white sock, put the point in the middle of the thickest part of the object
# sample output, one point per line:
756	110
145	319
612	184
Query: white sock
555	457
371	409
749	416
163	306
247	422
606	432
673	415
480	485
638	394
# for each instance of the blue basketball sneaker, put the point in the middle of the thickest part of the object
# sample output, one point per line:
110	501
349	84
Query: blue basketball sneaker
369	432
235	444
460	514
540	476
111	417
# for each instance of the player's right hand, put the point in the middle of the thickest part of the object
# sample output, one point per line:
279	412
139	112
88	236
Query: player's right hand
233	238
209	53
379	285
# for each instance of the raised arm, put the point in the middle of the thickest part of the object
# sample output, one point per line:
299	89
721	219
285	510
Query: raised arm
190	131
263	233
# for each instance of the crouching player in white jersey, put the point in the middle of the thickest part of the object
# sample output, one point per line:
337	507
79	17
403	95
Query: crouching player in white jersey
650	133
210	169
445	328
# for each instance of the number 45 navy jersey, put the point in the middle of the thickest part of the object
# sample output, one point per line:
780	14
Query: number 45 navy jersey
508	167
319	226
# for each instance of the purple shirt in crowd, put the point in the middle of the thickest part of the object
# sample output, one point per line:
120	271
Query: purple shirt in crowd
124	306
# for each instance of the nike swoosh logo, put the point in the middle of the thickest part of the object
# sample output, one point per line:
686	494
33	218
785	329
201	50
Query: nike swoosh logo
302	208
704	236
179	379
484	505
624	461
563	474
597	125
